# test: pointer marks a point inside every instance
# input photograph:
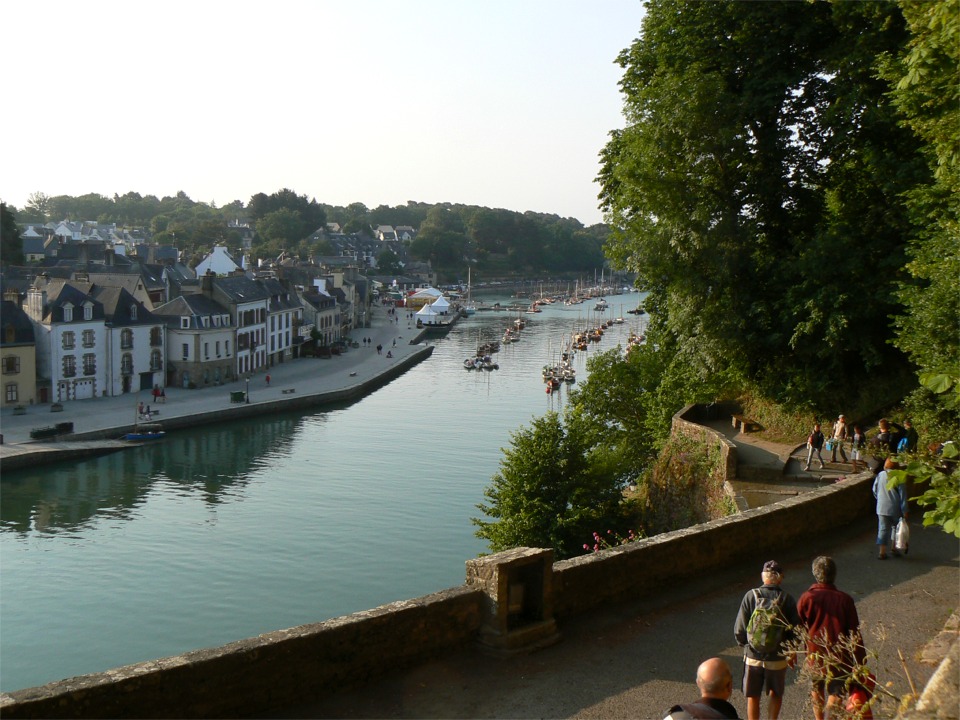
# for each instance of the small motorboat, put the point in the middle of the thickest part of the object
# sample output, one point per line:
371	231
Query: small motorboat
144	432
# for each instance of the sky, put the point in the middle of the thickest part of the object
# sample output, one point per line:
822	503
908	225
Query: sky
497	103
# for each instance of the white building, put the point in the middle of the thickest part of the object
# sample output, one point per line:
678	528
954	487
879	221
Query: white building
135	343
219	262
70	330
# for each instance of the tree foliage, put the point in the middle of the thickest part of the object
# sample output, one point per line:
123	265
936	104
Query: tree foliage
755	190
925	88
11	249
549	492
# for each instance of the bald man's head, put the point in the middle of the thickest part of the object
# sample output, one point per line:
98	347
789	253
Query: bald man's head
714	679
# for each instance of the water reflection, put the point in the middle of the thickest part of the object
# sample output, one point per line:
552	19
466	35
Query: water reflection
213	466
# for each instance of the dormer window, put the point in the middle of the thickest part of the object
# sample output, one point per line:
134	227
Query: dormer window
133	312
68	313
184	323
88	312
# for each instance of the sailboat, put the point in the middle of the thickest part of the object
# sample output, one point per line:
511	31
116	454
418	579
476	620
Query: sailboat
144	430
469	307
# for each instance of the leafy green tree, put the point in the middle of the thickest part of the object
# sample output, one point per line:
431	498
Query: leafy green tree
11	247
85	207
755	190
925	89
37	208
388	263
282	226
938	477
310	213
548	492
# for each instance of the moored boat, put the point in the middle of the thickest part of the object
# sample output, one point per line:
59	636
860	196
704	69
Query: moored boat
144	432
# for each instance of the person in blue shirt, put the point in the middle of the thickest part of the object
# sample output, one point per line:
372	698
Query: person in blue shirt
891	506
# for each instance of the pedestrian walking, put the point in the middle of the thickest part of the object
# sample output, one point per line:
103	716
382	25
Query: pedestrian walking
814	445
857	444
379	349
838	437
764	624
829	616
268	379
891	506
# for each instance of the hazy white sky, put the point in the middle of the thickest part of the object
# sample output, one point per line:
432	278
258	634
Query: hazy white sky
500	103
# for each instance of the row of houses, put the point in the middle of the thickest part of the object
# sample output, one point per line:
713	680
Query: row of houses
103	331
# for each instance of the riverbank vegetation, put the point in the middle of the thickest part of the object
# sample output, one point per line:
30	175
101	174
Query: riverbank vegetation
785	191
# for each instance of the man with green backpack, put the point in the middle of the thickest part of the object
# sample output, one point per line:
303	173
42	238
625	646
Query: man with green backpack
764	624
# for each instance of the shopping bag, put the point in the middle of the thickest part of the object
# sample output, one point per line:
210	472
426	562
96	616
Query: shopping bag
903	535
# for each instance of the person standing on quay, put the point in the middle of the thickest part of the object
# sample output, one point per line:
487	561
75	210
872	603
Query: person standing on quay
814	444
766	666
829	614
839	436
891	506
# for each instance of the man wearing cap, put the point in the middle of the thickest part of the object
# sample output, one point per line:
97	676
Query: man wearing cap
839	435
766	667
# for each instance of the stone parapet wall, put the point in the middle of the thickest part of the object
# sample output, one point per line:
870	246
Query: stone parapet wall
278	669
687	423
647	566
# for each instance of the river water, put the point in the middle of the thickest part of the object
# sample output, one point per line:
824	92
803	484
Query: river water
225	532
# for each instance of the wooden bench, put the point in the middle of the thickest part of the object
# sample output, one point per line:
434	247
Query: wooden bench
289	391
744	424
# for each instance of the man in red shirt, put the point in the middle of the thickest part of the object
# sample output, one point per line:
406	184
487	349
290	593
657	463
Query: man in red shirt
829	615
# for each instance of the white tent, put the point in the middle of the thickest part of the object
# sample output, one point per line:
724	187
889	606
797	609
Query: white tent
428	316
427	292
441	305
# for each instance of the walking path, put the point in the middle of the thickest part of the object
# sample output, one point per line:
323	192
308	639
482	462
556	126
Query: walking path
111	416
637	659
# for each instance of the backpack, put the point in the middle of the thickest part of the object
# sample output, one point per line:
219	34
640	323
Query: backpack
693	711
766	625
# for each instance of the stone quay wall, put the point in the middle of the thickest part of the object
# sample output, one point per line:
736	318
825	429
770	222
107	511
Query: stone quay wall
511	601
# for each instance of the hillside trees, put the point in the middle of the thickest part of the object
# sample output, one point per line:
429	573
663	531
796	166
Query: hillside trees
11	249
925	88
37	208
495	241
755	191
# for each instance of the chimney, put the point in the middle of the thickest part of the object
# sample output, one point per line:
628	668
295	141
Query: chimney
36	303
13	296
207	283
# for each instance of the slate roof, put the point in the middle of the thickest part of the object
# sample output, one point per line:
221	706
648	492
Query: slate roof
240	288
70	294
116	307
189	305
12	315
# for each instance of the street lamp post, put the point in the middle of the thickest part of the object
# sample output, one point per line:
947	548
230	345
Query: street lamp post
248	389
